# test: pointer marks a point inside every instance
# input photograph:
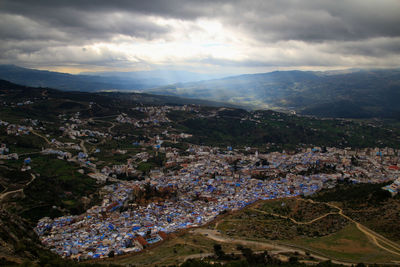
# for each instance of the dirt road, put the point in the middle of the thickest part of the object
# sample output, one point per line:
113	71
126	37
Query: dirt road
293	220
21	190
275	248
82	145
377	239
42	136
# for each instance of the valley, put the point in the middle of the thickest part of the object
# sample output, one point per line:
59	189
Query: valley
109	178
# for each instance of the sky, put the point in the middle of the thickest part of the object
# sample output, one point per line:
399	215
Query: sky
209	36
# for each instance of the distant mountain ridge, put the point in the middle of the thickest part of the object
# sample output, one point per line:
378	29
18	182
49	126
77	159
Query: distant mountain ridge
17	93
93	81
158	76
348	94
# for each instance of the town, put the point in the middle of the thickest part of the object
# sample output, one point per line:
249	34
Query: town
210	182
158	182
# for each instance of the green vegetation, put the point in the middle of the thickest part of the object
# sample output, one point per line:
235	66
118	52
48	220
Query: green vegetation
113	158
359	94
173	251
154	162
23	144
59	185
367	204
180	145
248	258
13	178
283	219
347	244
318	227
298	209
127	129
281	131
354	194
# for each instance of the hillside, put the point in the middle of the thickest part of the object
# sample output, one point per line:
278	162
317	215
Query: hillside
353	94
16	92
62	150
335	94
350	222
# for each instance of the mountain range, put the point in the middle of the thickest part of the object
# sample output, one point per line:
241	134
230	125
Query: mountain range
98	81
353	94
347	94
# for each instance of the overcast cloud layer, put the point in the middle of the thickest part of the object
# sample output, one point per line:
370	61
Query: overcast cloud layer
219	36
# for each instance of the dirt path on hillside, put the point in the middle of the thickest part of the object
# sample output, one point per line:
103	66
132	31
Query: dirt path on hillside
112	126
42	136
21	190
293	220
215	235
82	145
377	239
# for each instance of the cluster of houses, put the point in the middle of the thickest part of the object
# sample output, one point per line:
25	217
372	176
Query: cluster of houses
73	131
13	129
4	153
205	181
209	181
153	114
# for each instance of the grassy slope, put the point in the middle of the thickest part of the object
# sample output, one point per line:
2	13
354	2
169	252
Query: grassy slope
347	244
172	251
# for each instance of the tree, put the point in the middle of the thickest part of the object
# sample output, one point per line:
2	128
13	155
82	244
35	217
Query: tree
293	260
218	251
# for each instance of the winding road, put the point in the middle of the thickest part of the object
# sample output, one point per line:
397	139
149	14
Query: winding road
21	190
377	239
82	145
293	220
216	236
42	136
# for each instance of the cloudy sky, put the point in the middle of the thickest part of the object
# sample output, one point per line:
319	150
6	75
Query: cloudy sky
237	36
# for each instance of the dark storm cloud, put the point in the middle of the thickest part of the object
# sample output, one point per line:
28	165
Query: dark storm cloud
319	20
74	25
270	63
270	20
352	27
377	47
